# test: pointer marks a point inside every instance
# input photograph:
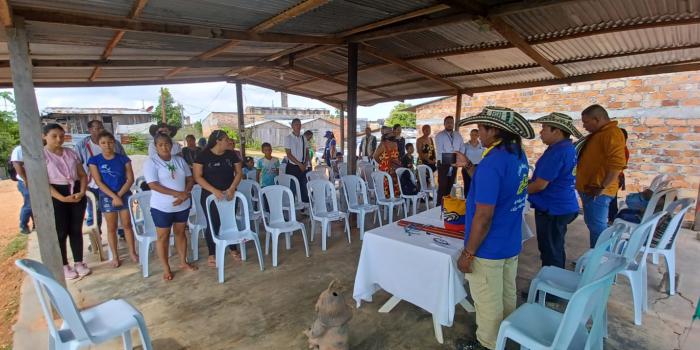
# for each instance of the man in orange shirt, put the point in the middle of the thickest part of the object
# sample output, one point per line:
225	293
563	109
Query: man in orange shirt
601	159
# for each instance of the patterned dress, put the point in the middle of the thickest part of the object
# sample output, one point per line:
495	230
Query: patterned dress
386	161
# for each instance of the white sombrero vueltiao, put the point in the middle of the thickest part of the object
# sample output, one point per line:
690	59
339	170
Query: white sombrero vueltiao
502	118
560	121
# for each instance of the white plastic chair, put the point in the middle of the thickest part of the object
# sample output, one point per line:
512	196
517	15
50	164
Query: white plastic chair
354	189
389	203
136	187
635	250
83	328
324	169
342	169
426	179
251	190
291	183
197	223
93	231
315	175
534	326
410	199
321	194
229	233
143	226
669	195
283	168
666	246
275	222
365	172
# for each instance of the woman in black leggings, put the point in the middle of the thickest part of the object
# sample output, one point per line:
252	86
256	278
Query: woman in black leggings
68	183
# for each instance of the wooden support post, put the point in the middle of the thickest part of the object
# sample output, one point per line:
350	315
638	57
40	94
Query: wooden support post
241	117
458	109
32	148
697	214
352	106
162	106
342	129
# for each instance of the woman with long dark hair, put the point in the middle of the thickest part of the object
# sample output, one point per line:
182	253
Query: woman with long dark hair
493	219
170	180
218	170
68	183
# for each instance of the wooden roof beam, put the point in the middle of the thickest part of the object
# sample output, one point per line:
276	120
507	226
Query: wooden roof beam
329	101
341	82
297	10
397	61
414	26
144	63
136	10
5	14
205	32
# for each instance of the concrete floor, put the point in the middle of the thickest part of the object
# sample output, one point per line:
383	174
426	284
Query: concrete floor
270	309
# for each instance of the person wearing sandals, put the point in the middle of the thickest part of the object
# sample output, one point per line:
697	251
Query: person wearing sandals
218	170
68	183
113	176
170	180
493	220
552	188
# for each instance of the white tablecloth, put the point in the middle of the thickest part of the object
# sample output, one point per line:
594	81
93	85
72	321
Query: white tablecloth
412	268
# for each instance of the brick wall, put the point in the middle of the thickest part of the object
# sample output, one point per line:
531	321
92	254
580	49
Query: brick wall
661	114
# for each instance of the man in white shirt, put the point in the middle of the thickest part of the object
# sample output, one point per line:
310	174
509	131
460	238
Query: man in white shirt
474	152
25	213
297	153
368	144
87	148
447	142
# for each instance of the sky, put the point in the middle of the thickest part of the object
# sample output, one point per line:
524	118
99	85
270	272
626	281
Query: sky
198	100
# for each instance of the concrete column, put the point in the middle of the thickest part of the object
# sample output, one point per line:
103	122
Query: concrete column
352	106
241	117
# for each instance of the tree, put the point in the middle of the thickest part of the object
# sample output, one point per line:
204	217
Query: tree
399	115
9	129
198	127
173	112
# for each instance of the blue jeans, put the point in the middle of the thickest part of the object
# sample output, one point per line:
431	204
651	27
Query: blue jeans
595	214
551	231
26	211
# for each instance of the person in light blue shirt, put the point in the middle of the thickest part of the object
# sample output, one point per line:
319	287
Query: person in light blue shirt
268	166
552	189
493	219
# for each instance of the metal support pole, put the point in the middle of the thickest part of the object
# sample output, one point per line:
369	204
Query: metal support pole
352	106
32	148
342	129
241	117
458	110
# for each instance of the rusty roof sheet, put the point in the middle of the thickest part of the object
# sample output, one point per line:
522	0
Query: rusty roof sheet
467	52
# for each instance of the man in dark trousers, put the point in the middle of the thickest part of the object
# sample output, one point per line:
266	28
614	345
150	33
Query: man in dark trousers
297	151
447	142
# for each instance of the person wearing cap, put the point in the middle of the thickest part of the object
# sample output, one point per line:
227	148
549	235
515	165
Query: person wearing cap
601	158
296	147
447	143
552	188
368	144
162	128
493	220
329	151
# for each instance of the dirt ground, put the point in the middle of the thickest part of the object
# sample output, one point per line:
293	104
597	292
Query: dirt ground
12	246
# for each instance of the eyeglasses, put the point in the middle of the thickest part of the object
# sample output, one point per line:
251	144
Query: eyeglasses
412	229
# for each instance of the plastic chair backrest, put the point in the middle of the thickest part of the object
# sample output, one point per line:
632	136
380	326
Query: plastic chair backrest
316	175
199	217
325	170
670	234
669	196
275	196
353	189
399	173
227	211
580	308
137	184
641	237
140	212
615	231
659	182
59	297
595	258
366	174
250	189
283	168
425	177
93	208
342	169
320	191
378	177
290	182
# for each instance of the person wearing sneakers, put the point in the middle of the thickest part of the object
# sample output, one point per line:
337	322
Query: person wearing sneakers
552	188
68	183
493	220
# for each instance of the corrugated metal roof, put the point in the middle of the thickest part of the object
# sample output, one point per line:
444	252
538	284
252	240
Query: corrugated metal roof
516	76
492	59
609	64
80	110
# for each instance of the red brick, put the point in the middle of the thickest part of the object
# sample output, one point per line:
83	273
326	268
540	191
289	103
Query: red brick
668	103
676	122
680	129
653	121
691	102
679	95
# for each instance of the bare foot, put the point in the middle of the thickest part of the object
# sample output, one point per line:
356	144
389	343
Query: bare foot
167	276
211	262
188	267
134	257
236	255
115	262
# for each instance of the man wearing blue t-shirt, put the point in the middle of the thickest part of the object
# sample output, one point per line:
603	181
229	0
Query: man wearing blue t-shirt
493	220
552	189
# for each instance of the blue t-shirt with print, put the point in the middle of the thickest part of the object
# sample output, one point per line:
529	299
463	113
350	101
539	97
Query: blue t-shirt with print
269	169
112	171
499	180
557	166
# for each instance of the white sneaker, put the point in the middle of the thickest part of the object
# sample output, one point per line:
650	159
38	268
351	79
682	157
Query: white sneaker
69	273
82	269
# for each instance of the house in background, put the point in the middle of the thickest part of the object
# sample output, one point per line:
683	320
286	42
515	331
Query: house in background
275	131
74	120
256	114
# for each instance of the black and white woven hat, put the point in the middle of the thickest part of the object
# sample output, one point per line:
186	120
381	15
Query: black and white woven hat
561	121
502	118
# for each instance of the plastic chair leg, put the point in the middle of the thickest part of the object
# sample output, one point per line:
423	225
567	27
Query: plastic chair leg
260	256
391	214
288	240
635	284
220	254
313	229
306	243
244	255
670	257
143	332
267	243
347	228
275	239
361	223
378	215
126	338
194	242
655	258
143	256
324	234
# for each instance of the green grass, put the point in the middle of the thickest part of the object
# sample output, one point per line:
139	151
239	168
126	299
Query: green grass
17	245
